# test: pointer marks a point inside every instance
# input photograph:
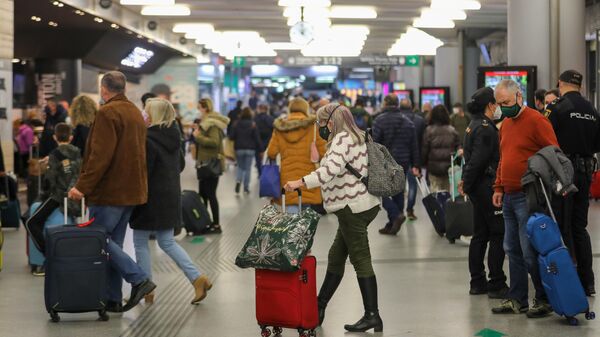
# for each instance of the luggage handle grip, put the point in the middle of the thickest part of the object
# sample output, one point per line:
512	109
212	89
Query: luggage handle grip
299	199
86	222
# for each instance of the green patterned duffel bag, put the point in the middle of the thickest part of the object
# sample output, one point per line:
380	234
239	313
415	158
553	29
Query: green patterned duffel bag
279	240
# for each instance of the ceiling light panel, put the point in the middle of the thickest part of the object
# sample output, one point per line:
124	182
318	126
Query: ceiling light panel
429	23
304	3
174	10
352	12
456	4
445	14
415	42
148	2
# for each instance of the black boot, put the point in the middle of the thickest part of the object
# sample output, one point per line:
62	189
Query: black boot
371	319
328	288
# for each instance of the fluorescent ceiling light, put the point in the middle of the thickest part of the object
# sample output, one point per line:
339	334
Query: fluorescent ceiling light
445	14
264	69
148	2
174	10
427	23
415	42
284	46
352	12
304	3
193	27
456	4
355	30
137	58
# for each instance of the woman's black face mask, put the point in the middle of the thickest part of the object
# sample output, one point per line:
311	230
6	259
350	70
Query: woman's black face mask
324	131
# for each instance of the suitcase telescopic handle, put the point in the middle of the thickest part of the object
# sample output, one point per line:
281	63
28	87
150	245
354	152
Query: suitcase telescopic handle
299	191
547	199
66	209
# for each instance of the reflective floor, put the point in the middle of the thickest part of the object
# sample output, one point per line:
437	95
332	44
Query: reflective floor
423	287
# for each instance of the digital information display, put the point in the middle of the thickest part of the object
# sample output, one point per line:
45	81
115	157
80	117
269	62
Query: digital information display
492	78
434	96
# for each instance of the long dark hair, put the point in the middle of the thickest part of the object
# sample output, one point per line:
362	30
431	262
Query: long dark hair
440	115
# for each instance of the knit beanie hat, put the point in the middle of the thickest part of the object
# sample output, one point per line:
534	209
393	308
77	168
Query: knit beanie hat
298	104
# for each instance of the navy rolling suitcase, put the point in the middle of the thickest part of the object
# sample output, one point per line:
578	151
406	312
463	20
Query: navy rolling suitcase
433	208
76	270
557	271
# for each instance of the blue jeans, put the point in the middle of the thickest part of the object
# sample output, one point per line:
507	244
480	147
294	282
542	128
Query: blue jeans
244	166
167	243
114	219
394	206
412	191
521	255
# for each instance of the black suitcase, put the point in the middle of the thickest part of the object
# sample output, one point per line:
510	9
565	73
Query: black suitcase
195	215
433	207
76	278
10	211
459	219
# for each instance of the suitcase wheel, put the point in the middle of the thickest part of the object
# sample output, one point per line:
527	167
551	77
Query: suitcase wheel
590	315
451	240
572	321
103	316
307	333
54	317
277	331
265	332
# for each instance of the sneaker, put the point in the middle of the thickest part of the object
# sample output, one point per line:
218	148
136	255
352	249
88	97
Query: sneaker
237	188
410	215
38	271
499	294
540	309
510	306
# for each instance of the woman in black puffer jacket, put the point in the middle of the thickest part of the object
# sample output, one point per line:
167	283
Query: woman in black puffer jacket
440	141
162	213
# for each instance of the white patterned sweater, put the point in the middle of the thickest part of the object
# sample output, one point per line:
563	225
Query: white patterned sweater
339	186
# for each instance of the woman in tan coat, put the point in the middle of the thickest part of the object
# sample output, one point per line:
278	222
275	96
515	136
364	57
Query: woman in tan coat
292	139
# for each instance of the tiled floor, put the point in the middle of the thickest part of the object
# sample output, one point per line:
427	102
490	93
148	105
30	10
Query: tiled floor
423	287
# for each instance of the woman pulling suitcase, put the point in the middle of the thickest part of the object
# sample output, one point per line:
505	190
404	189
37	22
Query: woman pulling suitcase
162	212
347	197
481	153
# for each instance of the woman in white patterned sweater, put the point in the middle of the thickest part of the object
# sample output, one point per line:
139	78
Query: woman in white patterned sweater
347	197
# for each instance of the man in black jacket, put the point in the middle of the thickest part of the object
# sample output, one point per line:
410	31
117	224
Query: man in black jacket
398	134
406	109
264	123
55	113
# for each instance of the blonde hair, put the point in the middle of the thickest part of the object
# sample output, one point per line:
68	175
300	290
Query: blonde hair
161	112
343	121
83	111
207	104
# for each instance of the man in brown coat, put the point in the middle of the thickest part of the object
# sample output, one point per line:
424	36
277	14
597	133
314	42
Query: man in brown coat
114	180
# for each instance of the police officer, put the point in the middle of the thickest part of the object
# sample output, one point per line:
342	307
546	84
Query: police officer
577	127
481	154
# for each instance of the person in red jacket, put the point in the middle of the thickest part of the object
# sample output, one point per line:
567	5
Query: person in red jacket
523	133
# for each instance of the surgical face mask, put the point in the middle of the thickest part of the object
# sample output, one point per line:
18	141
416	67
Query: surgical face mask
455	110
513	110
101	101
497	113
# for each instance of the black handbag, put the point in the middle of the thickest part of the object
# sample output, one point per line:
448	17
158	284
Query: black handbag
209	169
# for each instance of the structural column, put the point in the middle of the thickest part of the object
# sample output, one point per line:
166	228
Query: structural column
6	56
571	35
529	36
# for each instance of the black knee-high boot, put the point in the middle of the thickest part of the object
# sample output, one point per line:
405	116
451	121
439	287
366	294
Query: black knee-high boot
328	288
371	319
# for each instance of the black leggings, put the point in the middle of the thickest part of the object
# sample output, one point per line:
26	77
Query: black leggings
208	192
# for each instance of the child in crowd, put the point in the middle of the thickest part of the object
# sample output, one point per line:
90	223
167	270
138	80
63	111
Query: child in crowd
64	165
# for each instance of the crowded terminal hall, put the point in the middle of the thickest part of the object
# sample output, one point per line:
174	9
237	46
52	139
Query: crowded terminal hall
279	168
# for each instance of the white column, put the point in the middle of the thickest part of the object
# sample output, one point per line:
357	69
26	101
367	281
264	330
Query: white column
6	55
571	35
529	36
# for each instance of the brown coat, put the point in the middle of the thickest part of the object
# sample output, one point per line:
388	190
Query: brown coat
292	139
114	166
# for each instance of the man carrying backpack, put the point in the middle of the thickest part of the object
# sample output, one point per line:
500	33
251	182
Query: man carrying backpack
398	134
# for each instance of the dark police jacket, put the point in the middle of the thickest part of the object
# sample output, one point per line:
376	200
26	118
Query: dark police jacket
576	124
481	152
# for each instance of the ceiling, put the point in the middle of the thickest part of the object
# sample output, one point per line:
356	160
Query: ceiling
393	16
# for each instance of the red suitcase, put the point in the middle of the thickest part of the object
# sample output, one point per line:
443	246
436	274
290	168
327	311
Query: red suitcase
595	186
288	300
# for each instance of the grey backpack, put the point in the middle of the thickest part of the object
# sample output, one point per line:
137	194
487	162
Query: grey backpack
385	178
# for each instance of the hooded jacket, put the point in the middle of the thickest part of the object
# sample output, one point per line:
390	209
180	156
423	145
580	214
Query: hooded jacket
164	162
439	143
64	165
245	136
210	140
292	139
